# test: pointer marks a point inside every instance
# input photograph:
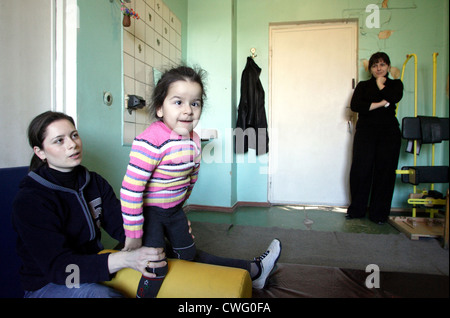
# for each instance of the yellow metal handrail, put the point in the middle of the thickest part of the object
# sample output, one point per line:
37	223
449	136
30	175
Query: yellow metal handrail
410	171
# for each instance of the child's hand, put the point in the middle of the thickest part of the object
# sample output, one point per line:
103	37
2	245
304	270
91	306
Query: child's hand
132	244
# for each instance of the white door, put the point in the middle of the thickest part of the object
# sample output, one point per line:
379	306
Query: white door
313	69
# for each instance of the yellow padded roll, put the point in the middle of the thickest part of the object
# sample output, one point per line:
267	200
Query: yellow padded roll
189	280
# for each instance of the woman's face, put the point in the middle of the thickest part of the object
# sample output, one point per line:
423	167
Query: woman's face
182	107
379	69
62	146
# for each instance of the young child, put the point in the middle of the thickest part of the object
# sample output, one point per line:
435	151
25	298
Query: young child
163	168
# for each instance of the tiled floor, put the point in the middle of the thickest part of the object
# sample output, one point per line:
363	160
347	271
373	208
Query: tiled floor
296	217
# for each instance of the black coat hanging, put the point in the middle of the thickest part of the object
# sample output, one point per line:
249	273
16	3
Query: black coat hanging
251	113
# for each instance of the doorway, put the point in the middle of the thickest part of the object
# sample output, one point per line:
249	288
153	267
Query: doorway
66	24
313	70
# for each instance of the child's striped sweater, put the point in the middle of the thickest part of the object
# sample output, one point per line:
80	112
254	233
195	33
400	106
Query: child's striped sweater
162	171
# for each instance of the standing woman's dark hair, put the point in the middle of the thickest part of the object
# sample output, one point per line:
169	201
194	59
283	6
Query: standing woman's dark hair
377	57
37	132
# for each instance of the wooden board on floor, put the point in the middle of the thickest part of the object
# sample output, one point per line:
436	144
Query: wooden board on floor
416	228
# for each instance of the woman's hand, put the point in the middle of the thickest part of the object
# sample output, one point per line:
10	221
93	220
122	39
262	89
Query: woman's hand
383	103
138	259
380	82
145	257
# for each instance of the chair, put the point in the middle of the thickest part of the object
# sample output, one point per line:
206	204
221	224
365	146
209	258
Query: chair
10	179
418	131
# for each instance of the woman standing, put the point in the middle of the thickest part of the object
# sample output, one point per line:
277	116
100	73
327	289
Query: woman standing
376	146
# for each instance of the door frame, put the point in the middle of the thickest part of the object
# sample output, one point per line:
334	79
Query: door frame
272	129
64	74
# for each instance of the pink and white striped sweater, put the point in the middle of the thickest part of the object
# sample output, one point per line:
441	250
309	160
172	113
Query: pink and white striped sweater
162	171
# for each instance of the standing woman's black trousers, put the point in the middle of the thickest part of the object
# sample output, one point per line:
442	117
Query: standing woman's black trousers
376	152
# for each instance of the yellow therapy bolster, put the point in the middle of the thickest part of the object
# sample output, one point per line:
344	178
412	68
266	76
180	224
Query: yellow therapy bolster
189	280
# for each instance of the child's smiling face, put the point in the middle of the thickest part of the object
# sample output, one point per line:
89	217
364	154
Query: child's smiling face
182	107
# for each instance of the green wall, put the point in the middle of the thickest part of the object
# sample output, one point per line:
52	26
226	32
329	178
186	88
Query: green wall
99	60
218	35
210	46
99	70
419	27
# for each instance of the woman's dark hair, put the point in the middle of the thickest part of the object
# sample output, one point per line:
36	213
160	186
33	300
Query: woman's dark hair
379	56
37	131
181	73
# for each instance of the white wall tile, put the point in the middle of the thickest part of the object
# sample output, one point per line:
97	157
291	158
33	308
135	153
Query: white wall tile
158	43
139	49
151	3
149	55
177	24
140	128
158	24
128	43
127	117
157	61
139	88
150	17
158	7
139	32
166	48
165	63
165	12
166	30
178	42
128	65
140	8
172	35
139	70
149	79
129	132
178	59
150	36
148	94
141	116
128	85
153	41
